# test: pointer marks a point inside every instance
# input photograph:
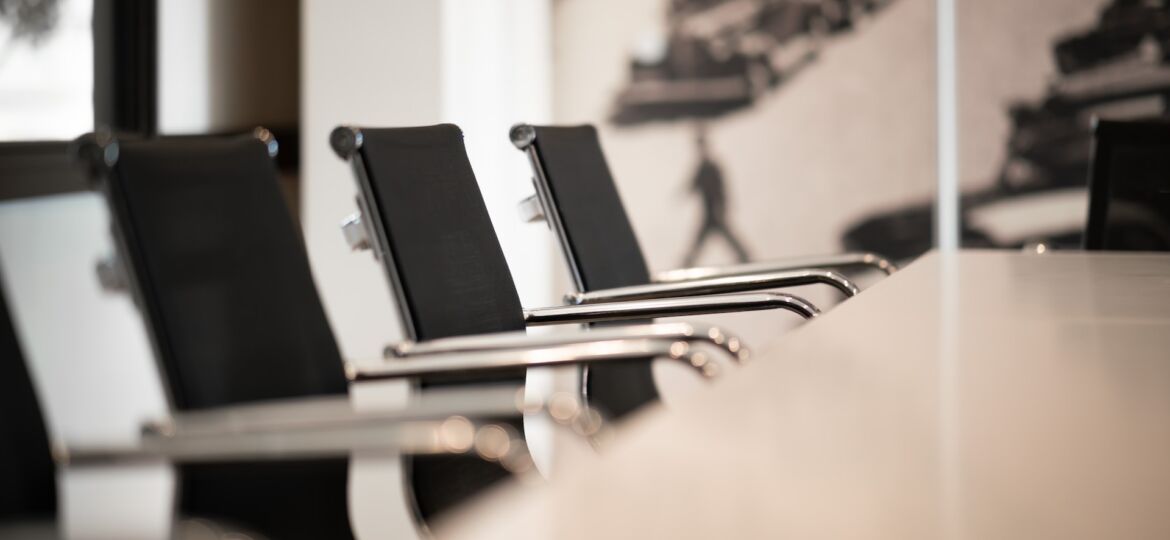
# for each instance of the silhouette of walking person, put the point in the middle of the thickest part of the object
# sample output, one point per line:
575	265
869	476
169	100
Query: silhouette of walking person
709	184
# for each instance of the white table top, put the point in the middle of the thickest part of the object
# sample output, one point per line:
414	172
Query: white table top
977	395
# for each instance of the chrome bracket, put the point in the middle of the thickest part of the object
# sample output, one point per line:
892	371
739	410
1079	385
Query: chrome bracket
530	209
355	233
111	274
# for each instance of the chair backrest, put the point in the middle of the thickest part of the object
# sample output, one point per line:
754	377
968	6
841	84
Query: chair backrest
29	489
1129	187
433	230
583	208
218	266
583	205
428	223
221	272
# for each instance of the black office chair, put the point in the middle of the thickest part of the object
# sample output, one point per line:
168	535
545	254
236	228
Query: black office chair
222	277
217	265
422	213
28	485
1129	186
576	194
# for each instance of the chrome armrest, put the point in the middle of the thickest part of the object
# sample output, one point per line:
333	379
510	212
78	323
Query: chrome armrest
717	285
463	363
839	262
324	427
682	331
308	428
669	307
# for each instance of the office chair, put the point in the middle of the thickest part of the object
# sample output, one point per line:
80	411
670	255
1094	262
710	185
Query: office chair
576	195
215	264
1129	186
28	484
212	257
422	214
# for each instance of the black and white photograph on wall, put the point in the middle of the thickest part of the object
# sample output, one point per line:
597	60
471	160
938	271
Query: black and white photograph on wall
1092	59
716	59
778	124
719	56
746	96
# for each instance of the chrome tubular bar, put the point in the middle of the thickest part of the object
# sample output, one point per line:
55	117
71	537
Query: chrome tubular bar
465	363
455	435
329	427
421	436
718	285
840	262
291	428
670	307
684	331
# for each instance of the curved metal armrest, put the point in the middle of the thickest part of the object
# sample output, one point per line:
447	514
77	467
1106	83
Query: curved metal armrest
322	427
669	307
717	285
683	331
463	363
329	427
840	262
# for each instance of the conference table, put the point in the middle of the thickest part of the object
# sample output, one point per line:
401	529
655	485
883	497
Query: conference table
974	394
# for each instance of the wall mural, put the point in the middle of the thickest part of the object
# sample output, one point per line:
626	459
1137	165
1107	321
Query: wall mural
1117	69
719	57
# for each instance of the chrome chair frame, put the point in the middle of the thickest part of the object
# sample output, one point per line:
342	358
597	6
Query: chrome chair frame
292	429
537	353
679	331
688	281
329	426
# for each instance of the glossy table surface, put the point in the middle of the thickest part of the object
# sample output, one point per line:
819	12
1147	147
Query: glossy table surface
971	395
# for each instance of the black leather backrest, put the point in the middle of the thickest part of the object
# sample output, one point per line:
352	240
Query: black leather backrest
602	242
448	258
223	272
27	481
1129	203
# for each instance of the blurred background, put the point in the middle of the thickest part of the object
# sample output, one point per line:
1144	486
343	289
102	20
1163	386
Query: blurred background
736	130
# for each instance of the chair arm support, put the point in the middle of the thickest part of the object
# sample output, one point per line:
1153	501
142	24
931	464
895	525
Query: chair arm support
683	331
839	262
717	285
323	427
669	307
464	363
